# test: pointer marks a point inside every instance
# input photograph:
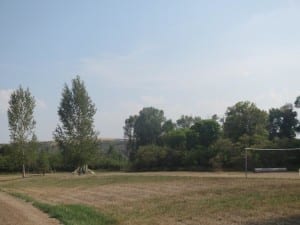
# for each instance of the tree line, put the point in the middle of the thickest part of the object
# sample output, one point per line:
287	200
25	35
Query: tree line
75	135
153	142
157	143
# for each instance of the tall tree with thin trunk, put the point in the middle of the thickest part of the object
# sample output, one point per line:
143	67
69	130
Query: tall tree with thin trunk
76	135
21	121
297	102
130	136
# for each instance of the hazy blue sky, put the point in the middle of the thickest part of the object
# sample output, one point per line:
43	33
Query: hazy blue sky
185	57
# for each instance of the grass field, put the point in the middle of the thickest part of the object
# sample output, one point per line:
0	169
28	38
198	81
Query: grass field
174	198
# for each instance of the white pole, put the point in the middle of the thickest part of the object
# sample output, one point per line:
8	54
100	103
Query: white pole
246	164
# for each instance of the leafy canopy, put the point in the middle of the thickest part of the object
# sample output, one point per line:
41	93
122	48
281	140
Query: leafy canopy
244	118
148	125
208	131
76	135
283	122
20	115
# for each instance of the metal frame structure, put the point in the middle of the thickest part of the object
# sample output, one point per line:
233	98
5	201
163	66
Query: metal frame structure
264	149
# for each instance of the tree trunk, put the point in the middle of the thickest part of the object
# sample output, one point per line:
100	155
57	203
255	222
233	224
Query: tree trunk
23	170
83	170
23	166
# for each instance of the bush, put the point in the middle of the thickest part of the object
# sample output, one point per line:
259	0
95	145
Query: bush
198	158
226	155
150	157
109	160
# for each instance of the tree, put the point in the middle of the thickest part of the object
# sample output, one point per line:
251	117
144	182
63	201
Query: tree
175	139
21	121
148	126
168	126
129	134
192	139
275	121
32	153
43	162
244	118
76	135
208	131
187	121
225	154
297	102
283	122
290	122
11	159
150	157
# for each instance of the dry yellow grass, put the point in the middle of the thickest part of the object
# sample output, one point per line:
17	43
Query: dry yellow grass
173	197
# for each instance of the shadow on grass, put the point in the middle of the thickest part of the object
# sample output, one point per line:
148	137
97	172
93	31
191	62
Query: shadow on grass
289	220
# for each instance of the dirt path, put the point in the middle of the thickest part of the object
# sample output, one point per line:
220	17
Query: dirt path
14	211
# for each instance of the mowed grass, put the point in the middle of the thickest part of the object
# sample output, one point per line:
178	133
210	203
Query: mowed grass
166	197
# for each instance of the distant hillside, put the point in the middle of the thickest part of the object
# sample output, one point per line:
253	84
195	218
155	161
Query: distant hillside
118	144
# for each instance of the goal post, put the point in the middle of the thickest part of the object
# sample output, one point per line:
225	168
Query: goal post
267	169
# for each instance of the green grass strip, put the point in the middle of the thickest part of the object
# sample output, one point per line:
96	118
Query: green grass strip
70	214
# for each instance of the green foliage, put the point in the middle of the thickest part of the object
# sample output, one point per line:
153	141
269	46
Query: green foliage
175	139
274	122
76	135
55	159
11	158
153	157
225	155
150	157
129	134
110	160
283	122
175	159
287	143
198	158
20	120
192	139
20	115
71	214
143	129
187	121
152	141
43	162
244	118
168	126
148	126
208	131
31	156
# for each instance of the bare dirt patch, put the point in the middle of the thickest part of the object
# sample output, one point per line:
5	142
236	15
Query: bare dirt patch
14	211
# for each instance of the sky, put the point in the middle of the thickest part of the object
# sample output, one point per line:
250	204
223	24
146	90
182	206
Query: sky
184	57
